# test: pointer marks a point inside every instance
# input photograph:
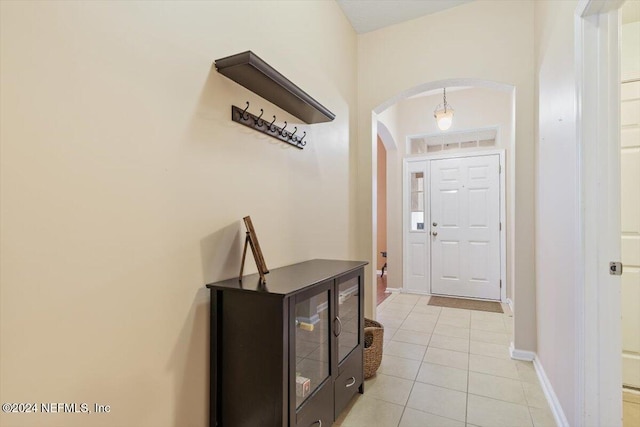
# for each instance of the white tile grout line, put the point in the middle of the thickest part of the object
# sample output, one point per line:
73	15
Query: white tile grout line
524	392
405	405
466	407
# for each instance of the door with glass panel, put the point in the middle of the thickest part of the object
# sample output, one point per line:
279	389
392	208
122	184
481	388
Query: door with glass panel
311	347
417	251
452	226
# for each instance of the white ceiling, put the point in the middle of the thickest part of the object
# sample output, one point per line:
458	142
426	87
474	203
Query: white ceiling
370	15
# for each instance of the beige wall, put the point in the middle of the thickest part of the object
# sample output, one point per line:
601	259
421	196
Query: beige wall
382	203
488	40
123	181
556	198
387	128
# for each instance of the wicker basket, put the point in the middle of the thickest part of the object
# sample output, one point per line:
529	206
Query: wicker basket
373	342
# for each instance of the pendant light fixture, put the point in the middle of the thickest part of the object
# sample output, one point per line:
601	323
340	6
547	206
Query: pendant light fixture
444	113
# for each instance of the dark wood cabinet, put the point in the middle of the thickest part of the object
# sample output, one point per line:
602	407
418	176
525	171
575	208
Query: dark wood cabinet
288	353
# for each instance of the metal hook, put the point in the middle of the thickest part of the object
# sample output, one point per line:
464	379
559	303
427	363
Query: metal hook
244	111
282	132
300	141
258	119
295	129
271	124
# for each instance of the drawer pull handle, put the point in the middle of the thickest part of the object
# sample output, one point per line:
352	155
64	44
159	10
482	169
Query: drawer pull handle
319	422
353	381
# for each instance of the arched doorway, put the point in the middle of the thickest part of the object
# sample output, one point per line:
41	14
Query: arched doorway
392	128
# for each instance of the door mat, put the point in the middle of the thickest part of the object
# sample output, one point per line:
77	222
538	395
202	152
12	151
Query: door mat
467	304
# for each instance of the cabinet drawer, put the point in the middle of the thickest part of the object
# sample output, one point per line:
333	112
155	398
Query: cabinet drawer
317	411
349	381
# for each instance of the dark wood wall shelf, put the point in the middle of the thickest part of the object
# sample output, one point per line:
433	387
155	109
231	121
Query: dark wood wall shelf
248	70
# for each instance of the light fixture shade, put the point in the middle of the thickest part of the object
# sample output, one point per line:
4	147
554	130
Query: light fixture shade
444	118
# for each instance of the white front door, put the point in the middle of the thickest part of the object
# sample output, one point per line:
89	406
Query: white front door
465	227
630	227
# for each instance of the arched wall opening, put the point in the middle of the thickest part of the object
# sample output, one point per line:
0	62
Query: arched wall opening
387	121
403	56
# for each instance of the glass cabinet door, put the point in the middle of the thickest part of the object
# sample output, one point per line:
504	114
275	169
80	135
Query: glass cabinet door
312	346
348	316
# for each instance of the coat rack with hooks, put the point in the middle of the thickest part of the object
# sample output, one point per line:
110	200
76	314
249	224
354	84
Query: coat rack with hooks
248	70
257	123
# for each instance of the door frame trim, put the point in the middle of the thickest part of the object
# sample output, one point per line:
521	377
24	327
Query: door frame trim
598	375
501	153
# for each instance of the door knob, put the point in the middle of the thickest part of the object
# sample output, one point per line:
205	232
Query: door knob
435	233
435	224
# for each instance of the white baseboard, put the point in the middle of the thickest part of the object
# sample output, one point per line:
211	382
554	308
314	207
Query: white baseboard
510	304
552	399
527	356
547	389
412	292
394	290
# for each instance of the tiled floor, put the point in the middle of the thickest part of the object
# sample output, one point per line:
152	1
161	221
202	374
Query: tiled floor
447	367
